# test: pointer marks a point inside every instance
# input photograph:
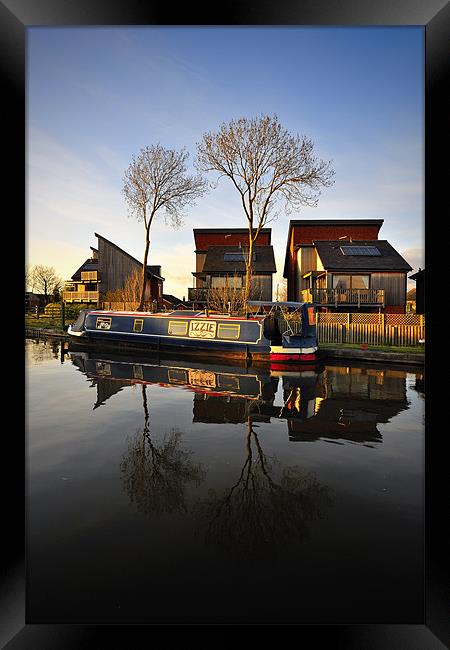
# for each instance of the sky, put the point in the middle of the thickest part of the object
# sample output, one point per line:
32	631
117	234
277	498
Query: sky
97	95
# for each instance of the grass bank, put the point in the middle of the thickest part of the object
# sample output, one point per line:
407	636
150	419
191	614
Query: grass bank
410	349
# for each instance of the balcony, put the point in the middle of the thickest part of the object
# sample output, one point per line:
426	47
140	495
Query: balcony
80	296
344	297
196	294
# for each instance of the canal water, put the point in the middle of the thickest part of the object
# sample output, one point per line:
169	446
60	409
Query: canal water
168	491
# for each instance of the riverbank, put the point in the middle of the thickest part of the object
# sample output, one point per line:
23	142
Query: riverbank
327	351
337	351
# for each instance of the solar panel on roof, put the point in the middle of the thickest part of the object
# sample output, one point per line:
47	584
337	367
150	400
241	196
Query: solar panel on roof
360	250
236	257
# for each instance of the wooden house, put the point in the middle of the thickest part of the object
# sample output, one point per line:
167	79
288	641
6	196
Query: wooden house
341	265
419	277
106	271
219	262
83	285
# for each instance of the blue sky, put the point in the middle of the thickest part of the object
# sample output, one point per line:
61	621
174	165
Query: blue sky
96	96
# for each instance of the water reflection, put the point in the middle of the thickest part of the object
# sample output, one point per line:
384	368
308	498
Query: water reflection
340	404
155	476
266	509
38	350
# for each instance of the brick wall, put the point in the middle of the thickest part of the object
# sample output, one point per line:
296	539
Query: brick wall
204	240
307	234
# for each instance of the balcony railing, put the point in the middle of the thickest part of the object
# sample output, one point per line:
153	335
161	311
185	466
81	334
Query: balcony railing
200	294
80	296
340	297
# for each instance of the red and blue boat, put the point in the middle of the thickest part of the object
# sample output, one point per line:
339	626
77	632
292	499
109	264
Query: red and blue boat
275	332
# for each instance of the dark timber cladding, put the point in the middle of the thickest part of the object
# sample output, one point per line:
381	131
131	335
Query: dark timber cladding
115	265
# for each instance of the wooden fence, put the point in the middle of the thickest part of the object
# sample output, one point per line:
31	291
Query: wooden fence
372	329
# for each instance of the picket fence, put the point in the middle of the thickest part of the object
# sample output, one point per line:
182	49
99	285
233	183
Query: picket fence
371	329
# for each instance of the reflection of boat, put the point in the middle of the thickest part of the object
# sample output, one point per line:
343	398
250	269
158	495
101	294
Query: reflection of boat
272	331
332	403
237	381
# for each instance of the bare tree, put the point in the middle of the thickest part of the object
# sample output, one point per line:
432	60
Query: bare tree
266	165
44	279
230	297
281	292
130	293
156	179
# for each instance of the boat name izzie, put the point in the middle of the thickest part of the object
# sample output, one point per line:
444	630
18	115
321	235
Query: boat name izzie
202	329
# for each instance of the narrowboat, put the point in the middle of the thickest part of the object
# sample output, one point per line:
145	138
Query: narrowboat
275	332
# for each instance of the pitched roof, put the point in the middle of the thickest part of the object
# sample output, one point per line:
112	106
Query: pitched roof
325	222
215	261
418	275
89	265
149	272
332	257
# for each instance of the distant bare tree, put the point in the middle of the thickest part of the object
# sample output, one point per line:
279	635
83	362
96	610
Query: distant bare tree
281	292
29	279
157	179
44	279
266	165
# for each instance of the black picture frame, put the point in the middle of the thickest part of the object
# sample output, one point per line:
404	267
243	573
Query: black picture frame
434	15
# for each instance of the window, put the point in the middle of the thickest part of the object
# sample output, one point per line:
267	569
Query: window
360	281
341	282
344	282
178	328
228	381
226	281
360	250
236	257
138	324
229	331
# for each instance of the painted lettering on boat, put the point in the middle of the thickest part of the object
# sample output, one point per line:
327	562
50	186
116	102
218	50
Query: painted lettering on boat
202	378
202	329
103	323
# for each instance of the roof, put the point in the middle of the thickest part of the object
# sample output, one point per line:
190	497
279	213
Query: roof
170	298
418	275
215	262
325	222
332	258
149	272
89	265
336	222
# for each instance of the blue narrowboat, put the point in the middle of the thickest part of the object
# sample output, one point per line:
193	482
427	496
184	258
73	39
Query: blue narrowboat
278	332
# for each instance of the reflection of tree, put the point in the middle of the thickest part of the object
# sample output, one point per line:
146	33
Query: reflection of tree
259	512
38	350
155	476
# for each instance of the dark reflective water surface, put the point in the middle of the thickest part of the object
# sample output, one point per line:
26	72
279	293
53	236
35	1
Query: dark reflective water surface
170	491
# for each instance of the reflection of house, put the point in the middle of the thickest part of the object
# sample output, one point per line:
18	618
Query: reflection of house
341	265
219	256
355	402
419	277
106	271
